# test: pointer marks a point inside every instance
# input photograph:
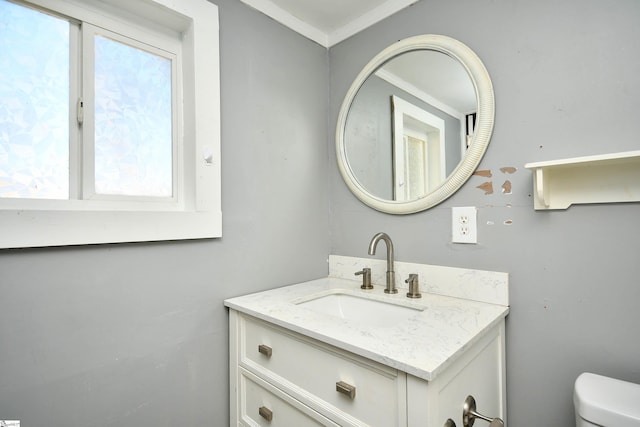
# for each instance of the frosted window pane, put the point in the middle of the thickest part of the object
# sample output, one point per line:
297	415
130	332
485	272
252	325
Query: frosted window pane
34	104
133	129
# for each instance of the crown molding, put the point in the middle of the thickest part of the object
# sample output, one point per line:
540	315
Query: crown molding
323	37
368	19
287	19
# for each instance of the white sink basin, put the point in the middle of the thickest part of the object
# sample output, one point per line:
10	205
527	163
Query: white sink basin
364	310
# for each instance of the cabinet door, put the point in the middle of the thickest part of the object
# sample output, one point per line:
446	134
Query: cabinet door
481	379
479	372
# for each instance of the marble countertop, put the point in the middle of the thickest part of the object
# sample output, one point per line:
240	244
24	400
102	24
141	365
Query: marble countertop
422	345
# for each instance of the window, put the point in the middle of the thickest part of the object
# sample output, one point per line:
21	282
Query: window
109	121
34	103
131	143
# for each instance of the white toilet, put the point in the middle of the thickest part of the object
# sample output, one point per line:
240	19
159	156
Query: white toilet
606	402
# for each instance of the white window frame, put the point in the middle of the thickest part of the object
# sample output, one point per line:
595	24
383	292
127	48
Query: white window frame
196	213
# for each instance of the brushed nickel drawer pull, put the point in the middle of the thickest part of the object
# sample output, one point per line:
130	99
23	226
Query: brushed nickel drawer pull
265	413
265	349
348	389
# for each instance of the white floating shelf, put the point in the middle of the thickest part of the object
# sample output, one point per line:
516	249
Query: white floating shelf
607	178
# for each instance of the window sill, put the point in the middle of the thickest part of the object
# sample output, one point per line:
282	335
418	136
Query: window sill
62	228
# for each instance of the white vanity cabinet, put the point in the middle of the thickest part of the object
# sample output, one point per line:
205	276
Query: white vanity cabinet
284	378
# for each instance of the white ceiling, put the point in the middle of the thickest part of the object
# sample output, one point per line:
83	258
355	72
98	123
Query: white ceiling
328	22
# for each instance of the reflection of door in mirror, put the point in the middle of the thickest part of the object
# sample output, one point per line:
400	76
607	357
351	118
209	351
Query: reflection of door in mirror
428	80
419	163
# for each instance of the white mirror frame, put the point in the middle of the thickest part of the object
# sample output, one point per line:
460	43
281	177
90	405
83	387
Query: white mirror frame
479	142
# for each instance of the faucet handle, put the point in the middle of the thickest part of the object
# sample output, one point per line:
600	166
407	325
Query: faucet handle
414	286
366	278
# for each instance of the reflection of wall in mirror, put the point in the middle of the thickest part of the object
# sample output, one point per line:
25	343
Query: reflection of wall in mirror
368	135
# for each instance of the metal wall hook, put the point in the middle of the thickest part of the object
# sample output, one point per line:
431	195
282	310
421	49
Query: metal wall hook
469	415
449	423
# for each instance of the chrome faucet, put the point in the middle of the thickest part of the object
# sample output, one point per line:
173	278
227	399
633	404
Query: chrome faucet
391	275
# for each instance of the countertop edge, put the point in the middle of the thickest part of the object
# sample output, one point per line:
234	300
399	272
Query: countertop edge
429	375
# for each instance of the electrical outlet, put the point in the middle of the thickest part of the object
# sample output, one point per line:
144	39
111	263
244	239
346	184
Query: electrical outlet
464	227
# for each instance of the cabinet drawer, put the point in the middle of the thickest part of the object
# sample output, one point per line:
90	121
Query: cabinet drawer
264	405
370	393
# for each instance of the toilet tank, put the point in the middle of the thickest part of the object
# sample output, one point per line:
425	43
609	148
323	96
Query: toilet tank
604	401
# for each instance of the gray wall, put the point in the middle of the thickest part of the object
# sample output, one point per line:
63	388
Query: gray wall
566	82
136	334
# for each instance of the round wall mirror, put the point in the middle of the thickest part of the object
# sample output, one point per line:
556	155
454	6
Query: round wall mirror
415	124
